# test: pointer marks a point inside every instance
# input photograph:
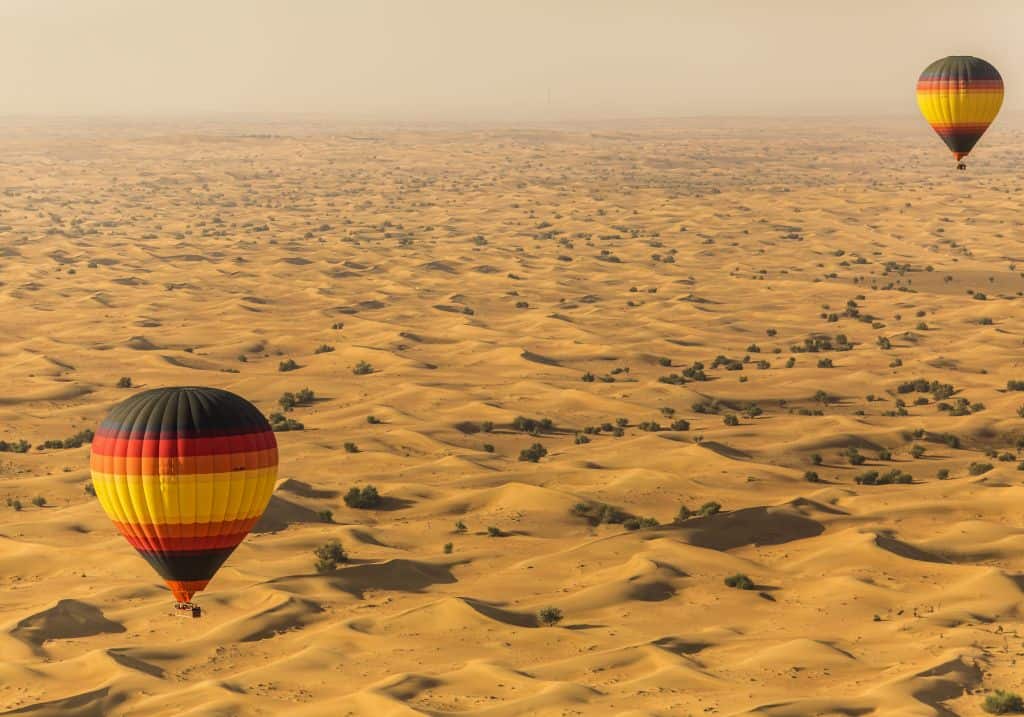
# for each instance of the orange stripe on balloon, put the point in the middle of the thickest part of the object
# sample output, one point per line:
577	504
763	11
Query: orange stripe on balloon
133	465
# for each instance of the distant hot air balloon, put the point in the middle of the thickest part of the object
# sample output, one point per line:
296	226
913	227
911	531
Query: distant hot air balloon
184	474
959	96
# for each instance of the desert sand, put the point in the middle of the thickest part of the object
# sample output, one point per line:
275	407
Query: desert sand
486	274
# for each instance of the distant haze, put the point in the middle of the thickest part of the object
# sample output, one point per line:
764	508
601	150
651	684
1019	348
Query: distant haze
494	60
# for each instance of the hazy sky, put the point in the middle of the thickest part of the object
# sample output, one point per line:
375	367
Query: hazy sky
491	59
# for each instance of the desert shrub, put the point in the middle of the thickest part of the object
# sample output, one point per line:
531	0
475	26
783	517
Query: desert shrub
884	455
730	419
362	369
489	448
854	456
39	501
533	426
323	349
709	508
124	382
14	503
366	498
740	582
351	447
1002	702
533	454
811	477
581	439
664	361
329	555
680	424
1015	385
487	426
587	377
684	514
287	365
650	426
448	547
917	451
279	422
816	459
942	474
326	516
866	478
372	420
289	400
493	531
460	526
888	478
90	489
598	513
978	469
21	446
631	524
549	616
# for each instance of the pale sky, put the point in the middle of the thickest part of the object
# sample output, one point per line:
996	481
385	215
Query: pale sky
491	59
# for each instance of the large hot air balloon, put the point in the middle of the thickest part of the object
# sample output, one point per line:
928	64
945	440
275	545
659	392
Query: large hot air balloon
959	96
184	474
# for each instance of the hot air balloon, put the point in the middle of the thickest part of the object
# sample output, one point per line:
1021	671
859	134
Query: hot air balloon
959	97
184	474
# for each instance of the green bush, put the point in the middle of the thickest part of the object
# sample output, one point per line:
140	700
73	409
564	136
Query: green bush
549	616
362	369
533	426
21	446
279	422
978	469
366	498
740	582
709	508
39	501
1002	702
329	555
533	454
124	382
287	365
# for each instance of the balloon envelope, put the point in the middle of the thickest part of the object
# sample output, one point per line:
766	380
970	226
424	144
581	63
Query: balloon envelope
959	96
184	474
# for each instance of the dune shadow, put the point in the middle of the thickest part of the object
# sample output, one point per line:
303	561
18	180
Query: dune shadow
749	526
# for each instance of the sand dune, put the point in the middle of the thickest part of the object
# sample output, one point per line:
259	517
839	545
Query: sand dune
801	332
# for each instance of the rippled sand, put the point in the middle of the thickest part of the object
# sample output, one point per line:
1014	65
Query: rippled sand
483	274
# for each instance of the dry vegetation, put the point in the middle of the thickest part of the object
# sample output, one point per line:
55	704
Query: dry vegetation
658	420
